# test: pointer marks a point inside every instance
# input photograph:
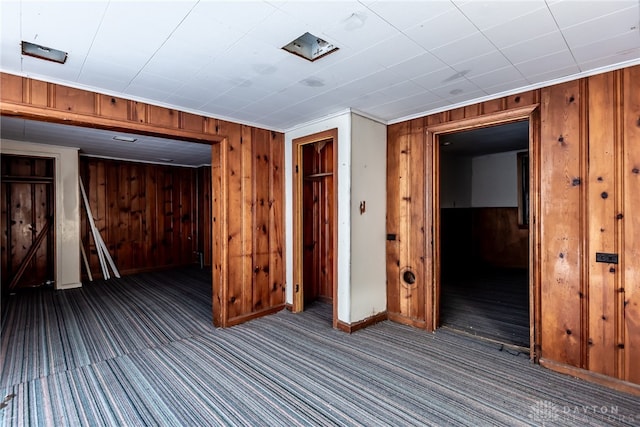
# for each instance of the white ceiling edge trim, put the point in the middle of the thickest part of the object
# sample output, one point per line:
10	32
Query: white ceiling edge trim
134	98
540	85
319	120
144	161
368	116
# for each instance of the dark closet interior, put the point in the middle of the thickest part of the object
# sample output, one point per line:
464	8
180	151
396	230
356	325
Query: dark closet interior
317	219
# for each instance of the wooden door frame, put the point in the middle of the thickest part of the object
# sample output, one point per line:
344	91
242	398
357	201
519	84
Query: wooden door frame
297	179
432	184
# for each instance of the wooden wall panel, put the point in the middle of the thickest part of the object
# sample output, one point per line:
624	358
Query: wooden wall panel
254	181
260	201
629	292
406	208
113	107
562	223
218	232
276	221
205	213
145	214
602	198
510	249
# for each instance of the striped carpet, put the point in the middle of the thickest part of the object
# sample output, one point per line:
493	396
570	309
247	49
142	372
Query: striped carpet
489	303
141	351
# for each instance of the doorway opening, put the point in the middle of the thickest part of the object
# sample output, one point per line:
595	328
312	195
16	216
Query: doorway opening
484	232
315	221
28	254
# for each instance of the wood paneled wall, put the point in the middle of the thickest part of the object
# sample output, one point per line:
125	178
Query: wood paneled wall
146	214
205	215
586	169
498	241
406	221
247	181
251	168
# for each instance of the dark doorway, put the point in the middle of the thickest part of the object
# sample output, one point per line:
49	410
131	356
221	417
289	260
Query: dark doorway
27	196
484	236
315	221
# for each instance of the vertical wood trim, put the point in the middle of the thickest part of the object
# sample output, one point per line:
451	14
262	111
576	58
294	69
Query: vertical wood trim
630	293
276	220
601	200
431	227
619	236
394	133
535	253
247	220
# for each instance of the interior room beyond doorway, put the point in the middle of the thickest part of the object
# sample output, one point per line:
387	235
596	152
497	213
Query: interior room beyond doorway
484	236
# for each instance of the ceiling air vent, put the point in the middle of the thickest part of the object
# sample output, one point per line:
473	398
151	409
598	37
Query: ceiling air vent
310	47
42	52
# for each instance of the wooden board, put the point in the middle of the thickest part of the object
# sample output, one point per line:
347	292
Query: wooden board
562	223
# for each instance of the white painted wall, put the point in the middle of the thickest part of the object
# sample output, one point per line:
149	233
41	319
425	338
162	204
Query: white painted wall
455	181
494	180
368	230
67	210
343	123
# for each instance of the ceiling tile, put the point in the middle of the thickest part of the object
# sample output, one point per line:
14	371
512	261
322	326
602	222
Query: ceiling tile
547	63
626	43
487	14
507	75
479	65
397	49
571	12
465	48
395	12
360	30
112	43
326	14
603	28
536	47
418	65
41	22
441	30
521	29
439	78
550	75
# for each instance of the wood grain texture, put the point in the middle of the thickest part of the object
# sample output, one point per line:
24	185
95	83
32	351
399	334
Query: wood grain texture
145	214
629	292
562	176
27	209
602	196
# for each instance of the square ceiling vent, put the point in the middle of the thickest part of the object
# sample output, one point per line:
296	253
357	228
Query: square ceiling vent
310	47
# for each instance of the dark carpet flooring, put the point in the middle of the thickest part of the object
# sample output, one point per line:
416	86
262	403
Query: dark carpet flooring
489	303
141	351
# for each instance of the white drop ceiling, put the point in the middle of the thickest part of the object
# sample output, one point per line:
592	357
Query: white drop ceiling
396	59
